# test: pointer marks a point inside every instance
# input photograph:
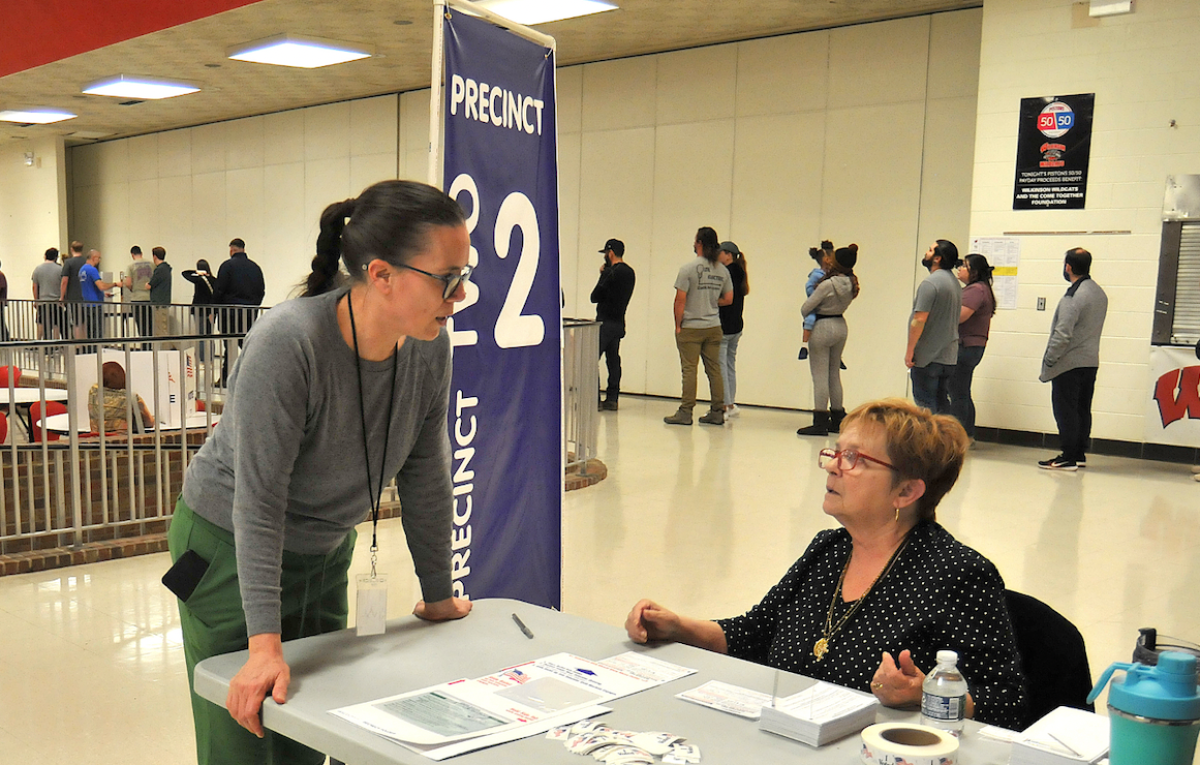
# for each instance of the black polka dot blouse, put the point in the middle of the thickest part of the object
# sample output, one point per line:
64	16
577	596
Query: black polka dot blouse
940	594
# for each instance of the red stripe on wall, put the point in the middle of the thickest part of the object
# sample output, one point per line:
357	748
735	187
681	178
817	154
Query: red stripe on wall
42	31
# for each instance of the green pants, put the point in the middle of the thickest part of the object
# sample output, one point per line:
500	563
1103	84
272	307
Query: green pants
694	345
314	601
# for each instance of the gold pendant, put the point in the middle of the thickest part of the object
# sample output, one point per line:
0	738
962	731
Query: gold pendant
820	648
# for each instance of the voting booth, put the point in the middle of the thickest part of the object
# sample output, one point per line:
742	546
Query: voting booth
168	390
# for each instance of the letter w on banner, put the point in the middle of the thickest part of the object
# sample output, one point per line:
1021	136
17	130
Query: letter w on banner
505	402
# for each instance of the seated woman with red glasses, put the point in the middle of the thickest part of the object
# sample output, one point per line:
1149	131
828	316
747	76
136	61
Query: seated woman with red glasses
869	605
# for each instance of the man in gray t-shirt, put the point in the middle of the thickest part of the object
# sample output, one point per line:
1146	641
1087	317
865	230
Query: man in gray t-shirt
700	287
933	329
47	291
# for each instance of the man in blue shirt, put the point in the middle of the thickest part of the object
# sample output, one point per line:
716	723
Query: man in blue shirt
93	289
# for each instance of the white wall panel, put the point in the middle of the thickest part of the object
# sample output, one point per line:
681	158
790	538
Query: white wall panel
878	63
697	85
327	131
619	94
774	225
174	153
373	125
246	193
209	144
284	137
616	201
783	75
143	157
245	143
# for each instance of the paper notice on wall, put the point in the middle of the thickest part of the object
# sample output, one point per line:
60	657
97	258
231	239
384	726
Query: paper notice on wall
1004	255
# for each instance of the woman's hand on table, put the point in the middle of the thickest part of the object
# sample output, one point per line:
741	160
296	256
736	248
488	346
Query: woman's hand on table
650	621
265	672
442	610
898	684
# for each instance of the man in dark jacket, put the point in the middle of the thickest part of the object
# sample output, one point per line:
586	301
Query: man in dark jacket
239	283
611	296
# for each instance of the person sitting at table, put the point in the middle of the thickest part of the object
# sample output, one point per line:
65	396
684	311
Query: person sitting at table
868	605
112	377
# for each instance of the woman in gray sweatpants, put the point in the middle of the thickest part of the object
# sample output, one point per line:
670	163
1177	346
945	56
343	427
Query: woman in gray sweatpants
832	296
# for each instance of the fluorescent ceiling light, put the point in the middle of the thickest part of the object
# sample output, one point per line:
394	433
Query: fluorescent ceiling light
130	86
530	12
35	116
298	51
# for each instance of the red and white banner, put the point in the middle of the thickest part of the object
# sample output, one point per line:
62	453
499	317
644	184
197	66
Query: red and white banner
1173	405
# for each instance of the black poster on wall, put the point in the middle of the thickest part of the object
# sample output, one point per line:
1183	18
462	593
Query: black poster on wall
1054	143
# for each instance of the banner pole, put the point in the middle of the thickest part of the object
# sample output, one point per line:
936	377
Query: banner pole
433	173
520	30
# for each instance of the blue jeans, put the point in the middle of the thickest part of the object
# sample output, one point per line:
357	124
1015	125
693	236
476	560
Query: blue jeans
961	404
729	345
931	386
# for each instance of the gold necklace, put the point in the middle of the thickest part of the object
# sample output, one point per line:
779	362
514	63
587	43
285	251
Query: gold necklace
821	647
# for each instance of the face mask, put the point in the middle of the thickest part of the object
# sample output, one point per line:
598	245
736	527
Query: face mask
1066	276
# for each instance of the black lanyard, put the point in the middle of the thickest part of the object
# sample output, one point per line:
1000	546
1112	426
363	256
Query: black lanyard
387	432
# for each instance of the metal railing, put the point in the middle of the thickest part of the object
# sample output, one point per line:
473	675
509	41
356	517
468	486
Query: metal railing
581	390
72	474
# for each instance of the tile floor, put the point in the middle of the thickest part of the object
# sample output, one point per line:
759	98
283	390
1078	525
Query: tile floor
703	519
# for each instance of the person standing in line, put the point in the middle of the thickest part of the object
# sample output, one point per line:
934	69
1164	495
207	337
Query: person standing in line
47	291
239	283
611	296
819	255
933	329
827	304
70	290
336	392
701	287
203	290
159	288
731	322
94	290
974	323
1072	359
137	274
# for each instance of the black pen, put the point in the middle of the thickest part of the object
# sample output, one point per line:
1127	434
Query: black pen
524	630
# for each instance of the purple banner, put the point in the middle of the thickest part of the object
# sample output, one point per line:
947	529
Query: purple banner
501	164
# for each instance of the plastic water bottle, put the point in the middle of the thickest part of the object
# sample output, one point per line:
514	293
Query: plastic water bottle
944	695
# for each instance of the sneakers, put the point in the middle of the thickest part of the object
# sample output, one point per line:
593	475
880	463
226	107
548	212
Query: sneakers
1058	463
609	405
733	411
681	417
714	417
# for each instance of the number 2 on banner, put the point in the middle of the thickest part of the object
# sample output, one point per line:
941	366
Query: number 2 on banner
513	329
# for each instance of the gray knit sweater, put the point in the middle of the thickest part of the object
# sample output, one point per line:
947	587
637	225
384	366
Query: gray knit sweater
285	468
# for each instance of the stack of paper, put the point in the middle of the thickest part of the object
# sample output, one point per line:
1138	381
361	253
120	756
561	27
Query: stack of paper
820	714
1066	736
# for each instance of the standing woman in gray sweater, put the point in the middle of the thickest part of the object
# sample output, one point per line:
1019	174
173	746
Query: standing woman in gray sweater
832	296
333	394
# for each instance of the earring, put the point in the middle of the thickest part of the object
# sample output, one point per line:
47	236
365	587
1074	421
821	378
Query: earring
897	514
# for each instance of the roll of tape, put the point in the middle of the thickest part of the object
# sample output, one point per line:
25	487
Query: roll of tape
893	743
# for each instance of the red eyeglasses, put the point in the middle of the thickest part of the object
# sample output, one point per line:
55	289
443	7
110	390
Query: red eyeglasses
847	459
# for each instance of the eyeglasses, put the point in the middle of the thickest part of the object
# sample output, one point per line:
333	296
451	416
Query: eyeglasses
450	280
847	459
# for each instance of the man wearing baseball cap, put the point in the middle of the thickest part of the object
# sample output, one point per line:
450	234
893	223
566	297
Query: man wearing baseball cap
611	296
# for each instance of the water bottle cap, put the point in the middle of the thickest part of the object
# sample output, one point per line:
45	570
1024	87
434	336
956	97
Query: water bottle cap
1164	692
947	657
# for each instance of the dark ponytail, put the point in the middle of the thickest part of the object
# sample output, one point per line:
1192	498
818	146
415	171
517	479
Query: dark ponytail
707	237
325	275
389	220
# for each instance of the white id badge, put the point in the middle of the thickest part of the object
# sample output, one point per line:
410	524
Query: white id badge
371	615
